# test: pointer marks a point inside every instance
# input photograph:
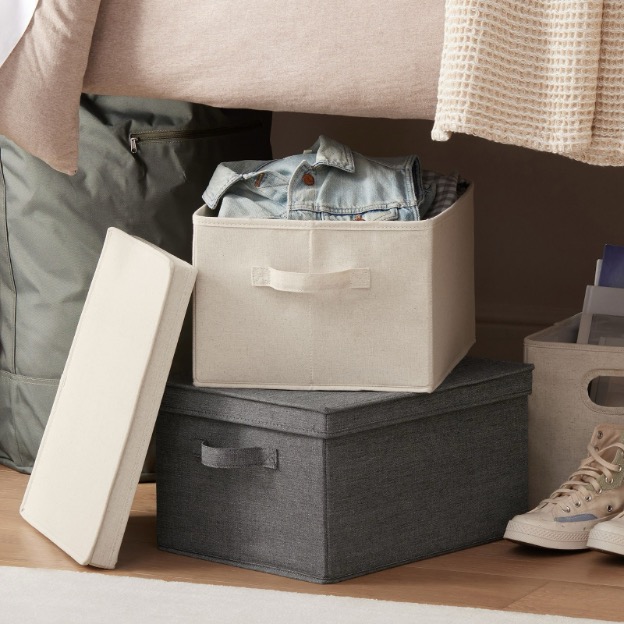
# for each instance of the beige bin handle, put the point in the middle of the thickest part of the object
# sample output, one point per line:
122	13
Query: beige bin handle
309	282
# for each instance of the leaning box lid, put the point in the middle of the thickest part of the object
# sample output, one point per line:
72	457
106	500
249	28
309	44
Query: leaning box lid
94	445
473	382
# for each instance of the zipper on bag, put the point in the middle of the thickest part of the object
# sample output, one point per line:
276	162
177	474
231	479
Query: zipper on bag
150	136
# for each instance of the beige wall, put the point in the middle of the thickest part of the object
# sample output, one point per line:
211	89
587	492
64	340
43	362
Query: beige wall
541	219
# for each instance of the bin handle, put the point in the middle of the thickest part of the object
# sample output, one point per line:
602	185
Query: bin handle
254	456
288	281
590	376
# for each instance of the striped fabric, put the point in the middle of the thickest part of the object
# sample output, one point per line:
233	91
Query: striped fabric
447	188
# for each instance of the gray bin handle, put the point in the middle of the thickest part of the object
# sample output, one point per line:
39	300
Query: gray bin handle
254	456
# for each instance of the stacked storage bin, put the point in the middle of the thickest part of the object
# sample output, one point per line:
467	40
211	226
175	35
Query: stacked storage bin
324	486
562	415
258	469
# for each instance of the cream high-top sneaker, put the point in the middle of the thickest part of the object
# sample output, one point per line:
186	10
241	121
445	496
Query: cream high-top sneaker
592	495
608	536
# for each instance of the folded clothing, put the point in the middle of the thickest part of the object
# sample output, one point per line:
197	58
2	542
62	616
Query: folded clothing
445	190
329	181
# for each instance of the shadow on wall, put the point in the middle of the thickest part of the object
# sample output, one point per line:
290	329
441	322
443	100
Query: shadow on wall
541	219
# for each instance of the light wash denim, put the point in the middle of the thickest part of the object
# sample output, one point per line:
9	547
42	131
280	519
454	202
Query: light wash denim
327	182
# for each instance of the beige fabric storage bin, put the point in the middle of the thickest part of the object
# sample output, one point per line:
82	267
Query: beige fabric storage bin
562	416
333	305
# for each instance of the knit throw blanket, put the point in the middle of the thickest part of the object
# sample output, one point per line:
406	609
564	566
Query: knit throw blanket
543	74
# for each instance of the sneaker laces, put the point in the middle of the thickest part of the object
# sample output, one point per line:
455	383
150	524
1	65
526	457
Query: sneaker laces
577	486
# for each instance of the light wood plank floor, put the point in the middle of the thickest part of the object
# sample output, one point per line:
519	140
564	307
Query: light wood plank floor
499	575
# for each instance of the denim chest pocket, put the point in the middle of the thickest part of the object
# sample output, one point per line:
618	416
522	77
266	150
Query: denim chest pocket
267	184
387	214
381	214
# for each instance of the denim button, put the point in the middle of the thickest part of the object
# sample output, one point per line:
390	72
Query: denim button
308	179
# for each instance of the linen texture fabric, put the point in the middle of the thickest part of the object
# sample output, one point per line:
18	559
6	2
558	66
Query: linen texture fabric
42	79
223	55
363	480
52	228
104	412
333	304
345	58
548	75
562	415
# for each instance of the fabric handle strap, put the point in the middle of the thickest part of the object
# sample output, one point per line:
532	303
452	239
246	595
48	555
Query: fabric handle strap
238	457
288	281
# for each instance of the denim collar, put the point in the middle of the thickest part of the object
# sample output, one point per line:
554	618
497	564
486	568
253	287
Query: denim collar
333	154
225	175
328	152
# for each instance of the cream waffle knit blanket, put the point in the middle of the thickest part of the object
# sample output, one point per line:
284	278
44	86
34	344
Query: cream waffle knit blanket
543	74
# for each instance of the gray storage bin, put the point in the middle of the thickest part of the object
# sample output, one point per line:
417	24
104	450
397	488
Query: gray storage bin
325	486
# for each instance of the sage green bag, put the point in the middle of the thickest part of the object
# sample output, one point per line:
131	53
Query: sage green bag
143	167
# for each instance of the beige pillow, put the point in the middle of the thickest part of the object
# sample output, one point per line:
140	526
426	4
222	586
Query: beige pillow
41	81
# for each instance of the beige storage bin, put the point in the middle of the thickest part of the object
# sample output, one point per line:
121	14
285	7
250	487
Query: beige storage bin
562	415
333	305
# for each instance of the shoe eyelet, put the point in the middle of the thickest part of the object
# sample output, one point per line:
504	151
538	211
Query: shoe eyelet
600	435
619	468
609	481
567	509
577	504
610	508
599	491
588	497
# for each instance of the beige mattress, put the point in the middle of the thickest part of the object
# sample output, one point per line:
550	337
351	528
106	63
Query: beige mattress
364	58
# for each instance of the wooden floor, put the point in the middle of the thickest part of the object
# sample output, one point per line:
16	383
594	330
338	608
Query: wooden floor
500	575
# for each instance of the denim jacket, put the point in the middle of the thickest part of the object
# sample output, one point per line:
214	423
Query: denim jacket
327	182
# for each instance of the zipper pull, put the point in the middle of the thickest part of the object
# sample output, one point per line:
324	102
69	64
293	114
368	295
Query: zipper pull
133	143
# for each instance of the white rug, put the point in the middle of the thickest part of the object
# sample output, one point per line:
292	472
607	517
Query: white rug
35	596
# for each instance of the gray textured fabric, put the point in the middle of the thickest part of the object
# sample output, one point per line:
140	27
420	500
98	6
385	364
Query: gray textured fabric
253	456
52	229
247	516
425	487
397	479
474	381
